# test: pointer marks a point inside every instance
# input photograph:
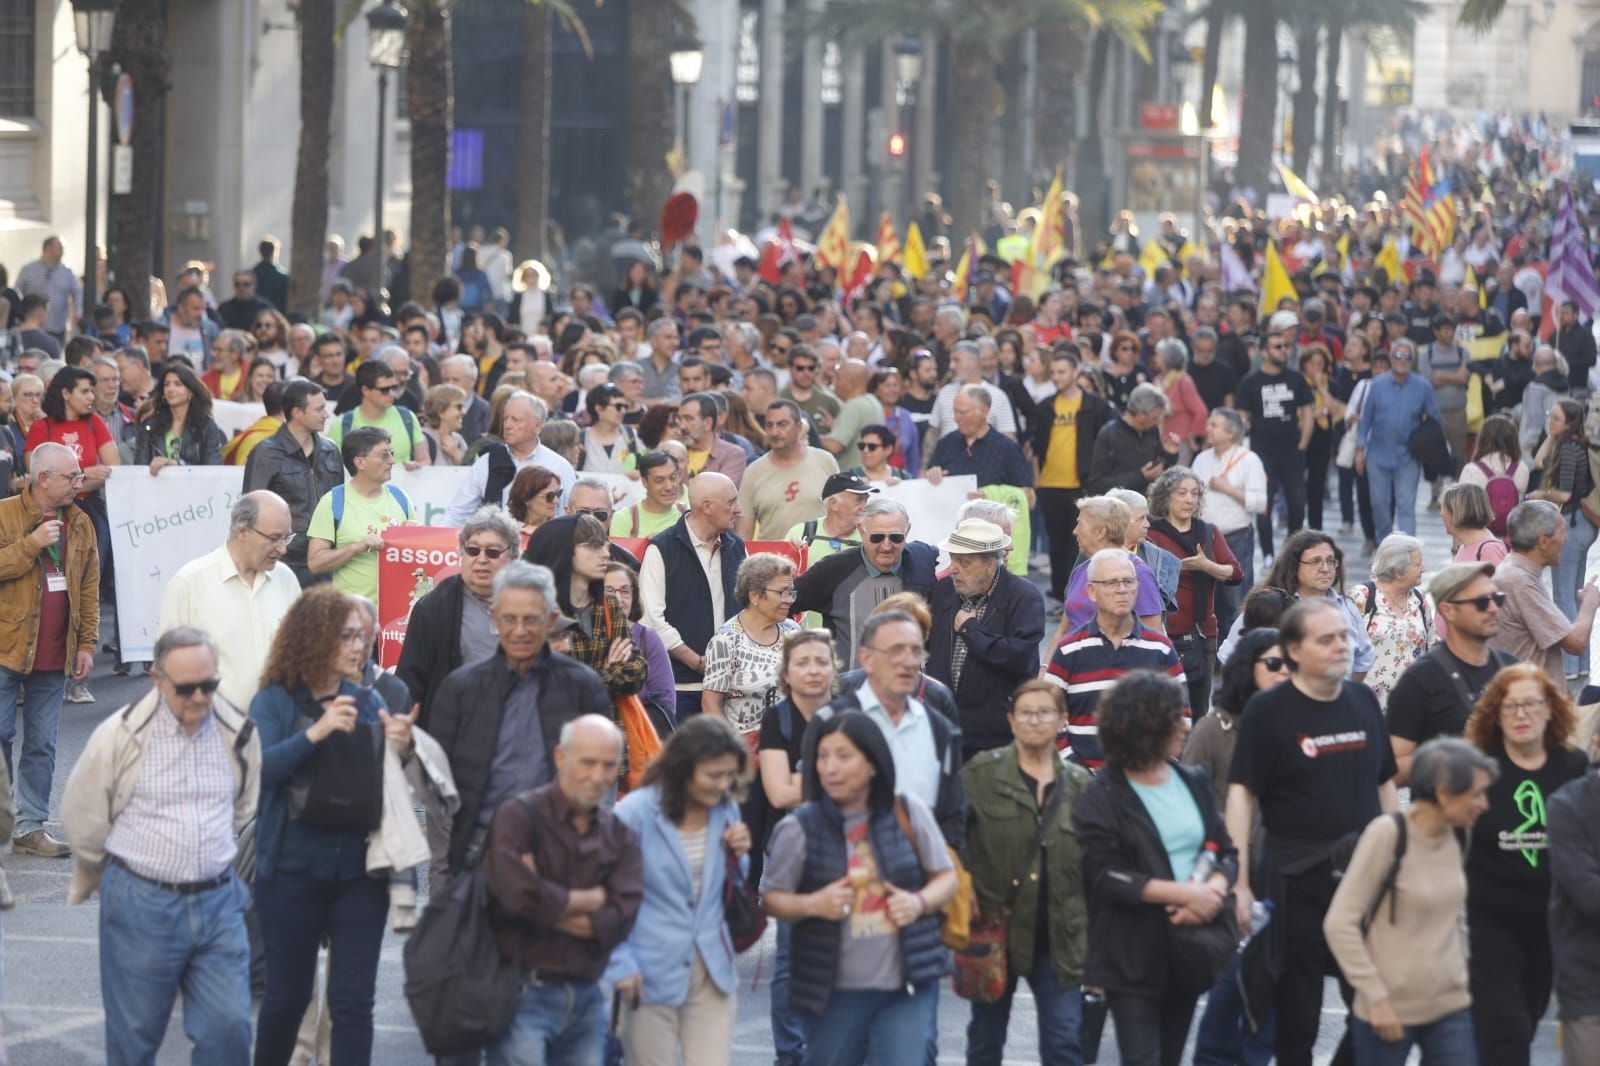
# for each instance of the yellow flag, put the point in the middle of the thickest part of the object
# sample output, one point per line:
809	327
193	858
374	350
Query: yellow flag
833	247
1389	259
958	287
1343	246
1153	256
1275	283
1470	282
1049	235
915	256
1294	186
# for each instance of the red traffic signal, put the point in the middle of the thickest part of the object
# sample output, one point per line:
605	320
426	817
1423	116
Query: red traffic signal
897	144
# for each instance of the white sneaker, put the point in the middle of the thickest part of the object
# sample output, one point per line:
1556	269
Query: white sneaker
78	692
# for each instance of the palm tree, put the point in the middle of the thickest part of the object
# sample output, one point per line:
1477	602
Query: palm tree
1304	104
139	47
649	125
1060	57
429	98
977	32
1258	104
1216	19
533	119
309	226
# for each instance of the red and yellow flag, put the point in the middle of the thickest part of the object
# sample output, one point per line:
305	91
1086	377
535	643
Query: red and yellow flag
833	247
963	279
888	240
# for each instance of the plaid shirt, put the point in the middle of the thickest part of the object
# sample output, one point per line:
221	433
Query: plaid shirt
958	647
591	644
1086	664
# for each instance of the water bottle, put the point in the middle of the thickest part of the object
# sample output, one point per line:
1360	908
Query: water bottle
1260	915
1206	864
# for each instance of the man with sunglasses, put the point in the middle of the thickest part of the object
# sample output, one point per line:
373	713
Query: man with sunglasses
379	388
1532	627
1278	403
154	807
238	594
450	626
806	389
1437	691
50	579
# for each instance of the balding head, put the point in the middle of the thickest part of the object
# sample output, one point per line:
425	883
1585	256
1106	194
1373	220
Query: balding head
56	475
713	504
852	379
588	757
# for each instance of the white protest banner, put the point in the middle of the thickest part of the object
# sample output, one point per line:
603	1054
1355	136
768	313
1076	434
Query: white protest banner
430	489
236	417
933	507
625	491
157	525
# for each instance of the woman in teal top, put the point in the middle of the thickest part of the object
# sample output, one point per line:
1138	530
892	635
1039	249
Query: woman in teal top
1143	825
312	882
179	428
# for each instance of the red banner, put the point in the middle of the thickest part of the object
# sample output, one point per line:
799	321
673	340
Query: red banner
417	558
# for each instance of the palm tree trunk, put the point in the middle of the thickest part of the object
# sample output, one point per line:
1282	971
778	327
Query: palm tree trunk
1304	135
1331	117
971	83
1216	19
140	48
310	214
650	93
533	132
1094	195
1258	106
428	88
1060	54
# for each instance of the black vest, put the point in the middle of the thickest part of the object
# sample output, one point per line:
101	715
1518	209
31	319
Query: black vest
688	606
814	943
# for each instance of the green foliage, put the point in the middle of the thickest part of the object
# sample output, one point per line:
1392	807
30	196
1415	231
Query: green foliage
565	14
992	22
1480	15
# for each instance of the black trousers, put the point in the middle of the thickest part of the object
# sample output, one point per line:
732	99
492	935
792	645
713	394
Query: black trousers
1196	653
1060	510
1355	497
1511	974
1286	473
1307	962
1318	457
1151	1031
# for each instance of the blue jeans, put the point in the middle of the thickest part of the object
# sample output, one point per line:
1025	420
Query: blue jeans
555	1025
788	1037
894	1024
154	942
1446	1042
1060	1014
1567	578
1394	496
296	910
42	693
1224	1037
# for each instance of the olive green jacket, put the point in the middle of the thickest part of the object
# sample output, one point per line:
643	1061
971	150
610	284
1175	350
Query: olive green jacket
1002	820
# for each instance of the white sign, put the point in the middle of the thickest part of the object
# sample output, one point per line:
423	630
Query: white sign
430	489
157	525
625	491
234	417
121	170
933	507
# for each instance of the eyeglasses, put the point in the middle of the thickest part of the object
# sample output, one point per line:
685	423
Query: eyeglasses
600	514
1327	562
472	551
385	456
784	593
1033	715
892	538
276	539
1273	663
353	636
76	476
1481	603
1524	707
187	689
901	651
1118	584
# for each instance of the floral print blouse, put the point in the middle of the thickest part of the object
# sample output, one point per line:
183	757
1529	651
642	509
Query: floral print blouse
1398	639
746	673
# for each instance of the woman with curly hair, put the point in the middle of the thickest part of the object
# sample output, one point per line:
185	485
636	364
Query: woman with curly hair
311	880
1524	722
1143	825
179	428
1177	499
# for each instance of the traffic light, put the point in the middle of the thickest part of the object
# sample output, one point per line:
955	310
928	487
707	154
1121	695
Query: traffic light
897	145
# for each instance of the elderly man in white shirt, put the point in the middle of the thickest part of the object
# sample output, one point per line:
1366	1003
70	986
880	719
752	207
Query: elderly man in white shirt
489	479
1238	484
238	594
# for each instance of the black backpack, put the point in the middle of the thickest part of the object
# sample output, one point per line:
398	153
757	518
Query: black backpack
340	787
463	994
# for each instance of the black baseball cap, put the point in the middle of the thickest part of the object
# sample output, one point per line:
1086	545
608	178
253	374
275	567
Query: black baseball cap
837	483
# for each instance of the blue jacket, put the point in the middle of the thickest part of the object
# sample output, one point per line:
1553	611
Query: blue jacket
283	751
1389	414
671	927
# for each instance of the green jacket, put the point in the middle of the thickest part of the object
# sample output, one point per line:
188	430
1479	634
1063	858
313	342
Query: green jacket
1002	819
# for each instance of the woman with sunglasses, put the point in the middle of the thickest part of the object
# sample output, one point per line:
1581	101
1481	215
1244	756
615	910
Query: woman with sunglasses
609	446
311	881
744	655
1524	722
1122	372
1258	664
877	445
534	497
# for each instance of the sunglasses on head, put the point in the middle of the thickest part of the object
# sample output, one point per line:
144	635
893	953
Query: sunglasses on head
189	688
892	538
1481	603
472	551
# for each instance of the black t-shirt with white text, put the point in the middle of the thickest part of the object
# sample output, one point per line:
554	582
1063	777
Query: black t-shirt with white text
1313	767
1273	402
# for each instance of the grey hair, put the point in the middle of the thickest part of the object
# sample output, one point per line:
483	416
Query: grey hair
1162	488
50	368
1394	556
464	362
1109	513
977	394
559	434
951	313
1527	522
661	325
1146	399
541	413
624	370
521	574
879	619
1446	766
878	505
756	571
245	513
571	726
1233	419
107	362
988	510
984	342
180	637
1204	333
1134	500
394	349
137	354
46	457
749	336
592	482
592	375
492	519
965	348
236	340
1173	355
1111	555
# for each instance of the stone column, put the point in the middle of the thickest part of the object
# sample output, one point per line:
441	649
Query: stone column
811	104
769	135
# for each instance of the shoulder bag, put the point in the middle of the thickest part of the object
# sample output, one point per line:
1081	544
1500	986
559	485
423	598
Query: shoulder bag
741	908
955	921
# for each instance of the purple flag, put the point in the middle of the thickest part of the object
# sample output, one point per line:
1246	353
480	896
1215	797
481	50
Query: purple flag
1235	277
1571	274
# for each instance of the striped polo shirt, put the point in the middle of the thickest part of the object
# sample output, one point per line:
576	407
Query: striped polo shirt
1086	663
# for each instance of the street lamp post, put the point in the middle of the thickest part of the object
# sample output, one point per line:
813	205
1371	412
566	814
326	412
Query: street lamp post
907	71
386	45
687	58
92	23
